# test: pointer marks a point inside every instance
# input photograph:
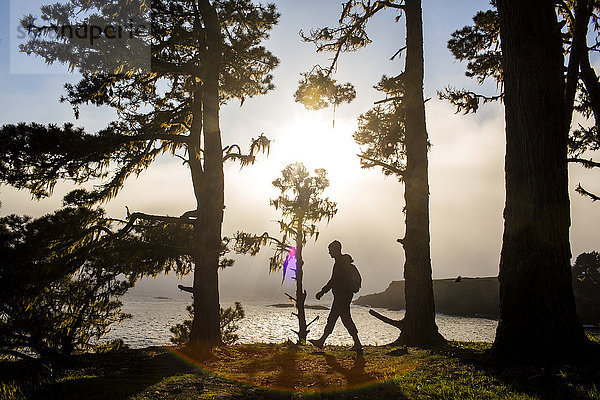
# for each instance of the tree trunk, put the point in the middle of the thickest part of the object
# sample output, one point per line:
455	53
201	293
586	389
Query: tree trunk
419	327
300	293
205	325
210	195
537	306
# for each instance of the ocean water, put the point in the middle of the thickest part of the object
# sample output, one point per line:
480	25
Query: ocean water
152	317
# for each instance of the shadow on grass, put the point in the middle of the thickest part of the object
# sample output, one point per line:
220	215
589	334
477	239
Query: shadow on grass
285	363
575	380
460	370
354	376
118	375
289	371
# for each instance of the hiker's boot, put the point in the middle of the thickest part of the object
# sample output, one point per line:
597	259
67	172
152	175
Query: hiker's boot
318	343
357	346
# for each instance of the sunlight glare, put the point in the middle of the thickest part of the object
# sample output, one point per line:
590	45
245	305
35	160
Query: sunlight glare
311	138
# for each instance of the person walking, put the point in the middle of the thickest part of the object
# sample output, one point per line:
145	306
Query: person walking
345	281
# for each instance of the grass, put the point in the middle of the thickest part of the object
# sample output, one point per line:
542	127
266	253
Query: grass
286	371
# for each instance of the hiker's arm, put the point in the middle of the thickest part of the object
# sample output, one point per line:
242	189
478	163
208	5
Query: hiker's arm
327	287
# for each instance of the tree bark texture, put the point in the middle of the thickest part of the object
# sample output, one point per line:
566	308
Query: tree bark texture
537	306
209	186
419	327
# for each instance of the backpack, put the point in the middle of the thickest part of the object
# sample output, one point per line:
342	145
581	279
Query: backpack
355	279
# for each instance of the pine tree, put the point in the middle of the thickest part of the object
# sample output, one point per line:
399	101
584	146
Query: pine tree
203	54
61	276
393	137
479	45
521	46
302	207
537	306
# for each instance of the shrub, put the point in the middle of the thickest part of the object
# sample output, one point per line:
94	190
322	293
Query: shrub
58	289
228	318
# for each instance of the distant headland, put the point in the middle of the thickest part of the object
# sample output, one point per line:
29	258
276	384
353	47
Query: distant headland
469	297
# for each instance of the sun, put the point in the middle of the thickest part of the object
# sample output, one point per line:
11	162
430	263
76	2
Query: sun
308	137
312	139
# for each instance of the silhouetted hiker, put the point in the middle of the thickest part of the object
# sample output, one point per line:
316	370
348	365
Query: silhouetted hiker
344	282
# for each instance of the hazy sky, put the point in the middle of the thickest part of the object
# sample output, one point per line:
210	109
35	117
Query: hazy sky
466	160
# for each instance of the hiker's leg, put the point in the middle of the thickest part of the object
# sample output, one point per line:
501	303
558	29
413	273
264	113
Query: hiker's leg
334	314
349	323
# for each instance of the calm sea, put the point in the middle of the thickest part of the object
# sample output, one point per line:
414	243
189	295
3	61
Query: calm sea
152	318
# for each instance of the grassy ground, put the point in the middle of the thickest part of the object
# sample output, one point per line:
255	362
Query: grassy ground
461	371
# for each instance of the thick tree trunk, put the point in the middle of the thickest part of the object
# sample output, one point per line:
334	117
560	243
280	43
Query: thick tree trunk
210	195
300	293
205	325
537	306
419	327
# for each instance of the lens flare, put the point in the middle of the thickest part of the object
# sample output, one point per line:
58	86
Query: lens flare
274	368
289	265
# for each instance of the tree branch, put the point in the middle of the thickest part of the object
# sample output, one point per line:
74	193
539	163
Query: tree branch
185	160
187	289
237	156
291	298
393	322
397	53
167	137
465	99
190	214
229	149
585	162
159	218
582	17
133	218
584	192
391	5
381	164
339	43
234	152
590	81
389	99
565	8
247	243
